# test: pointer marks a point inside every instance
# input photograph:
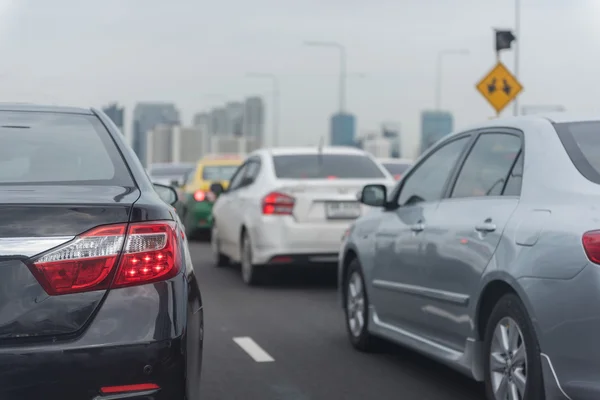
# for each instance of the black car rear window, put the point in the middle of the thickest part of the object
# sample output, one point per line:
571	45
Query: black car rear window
58	148
582	143
323	166
396	168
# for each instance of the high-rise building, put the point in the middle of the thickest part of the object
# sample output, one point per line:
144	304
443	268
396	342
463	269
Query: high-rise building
145	117
391	131
159	144
200	119
116	114
189	144
254	119
233	145
434	126
378	146
217	121
342	130
234	118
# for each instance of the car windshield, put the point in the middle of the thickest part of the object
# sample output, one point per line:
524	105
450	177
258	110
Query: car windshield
218	172
396	168
59	148
322	166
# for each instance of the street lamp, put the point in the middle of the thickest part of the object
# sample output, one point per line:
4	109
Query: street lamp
342	50
438	84
275	83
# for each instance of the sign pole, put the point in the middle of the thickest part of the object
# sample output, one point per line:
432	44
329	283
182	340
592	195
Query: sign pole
497	62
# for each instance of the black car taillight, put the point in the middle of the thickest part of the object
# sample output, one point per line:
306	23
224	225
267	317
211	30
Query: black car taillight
111	256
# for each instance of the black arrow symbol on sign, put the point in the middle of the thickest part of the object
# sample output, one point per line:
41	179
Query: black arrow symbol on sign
506	88
492	86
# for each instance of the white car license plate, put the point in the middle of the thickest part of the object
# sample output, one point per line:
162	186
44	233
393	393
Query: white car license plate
342	210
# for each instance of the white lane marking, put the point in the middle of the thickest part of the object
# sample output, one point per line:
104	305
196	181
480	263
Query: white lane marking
253	349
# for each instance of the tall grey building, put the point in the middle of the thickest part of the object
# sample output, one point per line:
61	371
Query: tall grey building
234	118
116	114
254	119
146	116
200	119
217	121
159	144
391	131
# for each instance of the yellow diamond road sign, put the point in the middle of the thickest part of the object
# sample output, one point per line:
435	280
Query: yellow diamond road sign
499	87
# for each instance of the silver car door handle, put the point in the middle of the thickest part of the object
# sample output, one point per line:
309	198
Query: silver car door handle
486	227
419	227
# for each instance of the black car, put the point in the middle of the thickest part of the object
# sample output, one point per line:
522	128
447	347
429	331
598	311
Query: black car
98	297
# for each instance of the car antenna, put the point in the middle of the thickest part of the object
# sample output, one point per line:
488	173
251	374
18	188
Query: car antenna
320	157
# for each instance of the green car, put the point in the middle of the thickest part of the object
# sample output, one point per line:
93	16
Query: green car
196	196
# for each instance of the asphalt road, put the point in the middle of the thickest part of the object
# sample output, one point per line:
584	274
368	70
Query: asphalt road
287	341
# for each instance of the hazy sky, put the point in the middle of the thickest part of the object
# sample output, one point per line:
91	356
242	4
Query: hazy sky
186	51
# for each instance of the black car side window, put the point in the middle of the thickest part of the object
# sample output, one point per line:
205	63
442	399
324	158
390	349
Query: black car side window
238	177
486	168
428	179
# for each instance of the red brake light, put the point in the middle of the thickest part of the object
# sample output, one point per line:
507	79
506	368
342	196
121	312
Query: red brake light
591	245
148	252
129	388
397	177
199	195
276	203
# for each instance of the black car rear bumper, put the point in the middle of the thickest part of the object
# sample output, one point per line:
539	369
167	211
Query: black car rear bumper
79	374
150	334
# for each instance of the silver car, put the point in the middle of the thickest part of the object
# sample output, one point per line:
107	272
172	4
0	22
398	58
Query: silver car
486	257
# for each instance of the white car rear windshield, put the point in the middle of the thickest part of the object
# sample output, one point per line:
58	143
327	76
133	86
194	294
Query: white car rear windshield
324	166
396	168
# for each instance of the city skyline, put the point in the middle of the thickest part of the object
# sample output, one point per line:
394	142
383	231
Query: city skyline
394	44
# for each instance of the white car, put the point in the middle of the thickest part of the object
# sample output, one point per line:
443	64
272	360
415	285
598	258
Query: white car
291	206
396	166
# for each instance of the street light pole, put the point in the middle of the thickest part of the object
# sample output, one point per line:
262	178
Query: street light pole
275	98
517	48
439	70
342	76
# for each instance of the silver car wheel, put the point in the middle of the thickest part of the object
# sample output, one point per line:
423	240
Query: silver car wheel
355	304
246	260
508	361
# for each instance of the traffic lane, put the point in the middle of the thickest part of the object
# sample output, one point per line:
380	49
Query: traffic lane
297	321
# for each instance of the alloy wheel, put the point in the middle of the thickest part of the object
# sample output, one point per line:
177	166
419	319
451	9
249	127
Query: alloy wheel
355	304
508	361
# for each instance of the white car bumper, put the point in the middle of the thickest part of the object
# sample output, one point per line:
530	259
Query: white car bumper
281	240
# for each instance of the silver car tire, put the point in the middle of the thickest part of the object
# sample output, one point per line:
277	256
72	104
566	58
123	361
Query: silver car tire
356	308
512	362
